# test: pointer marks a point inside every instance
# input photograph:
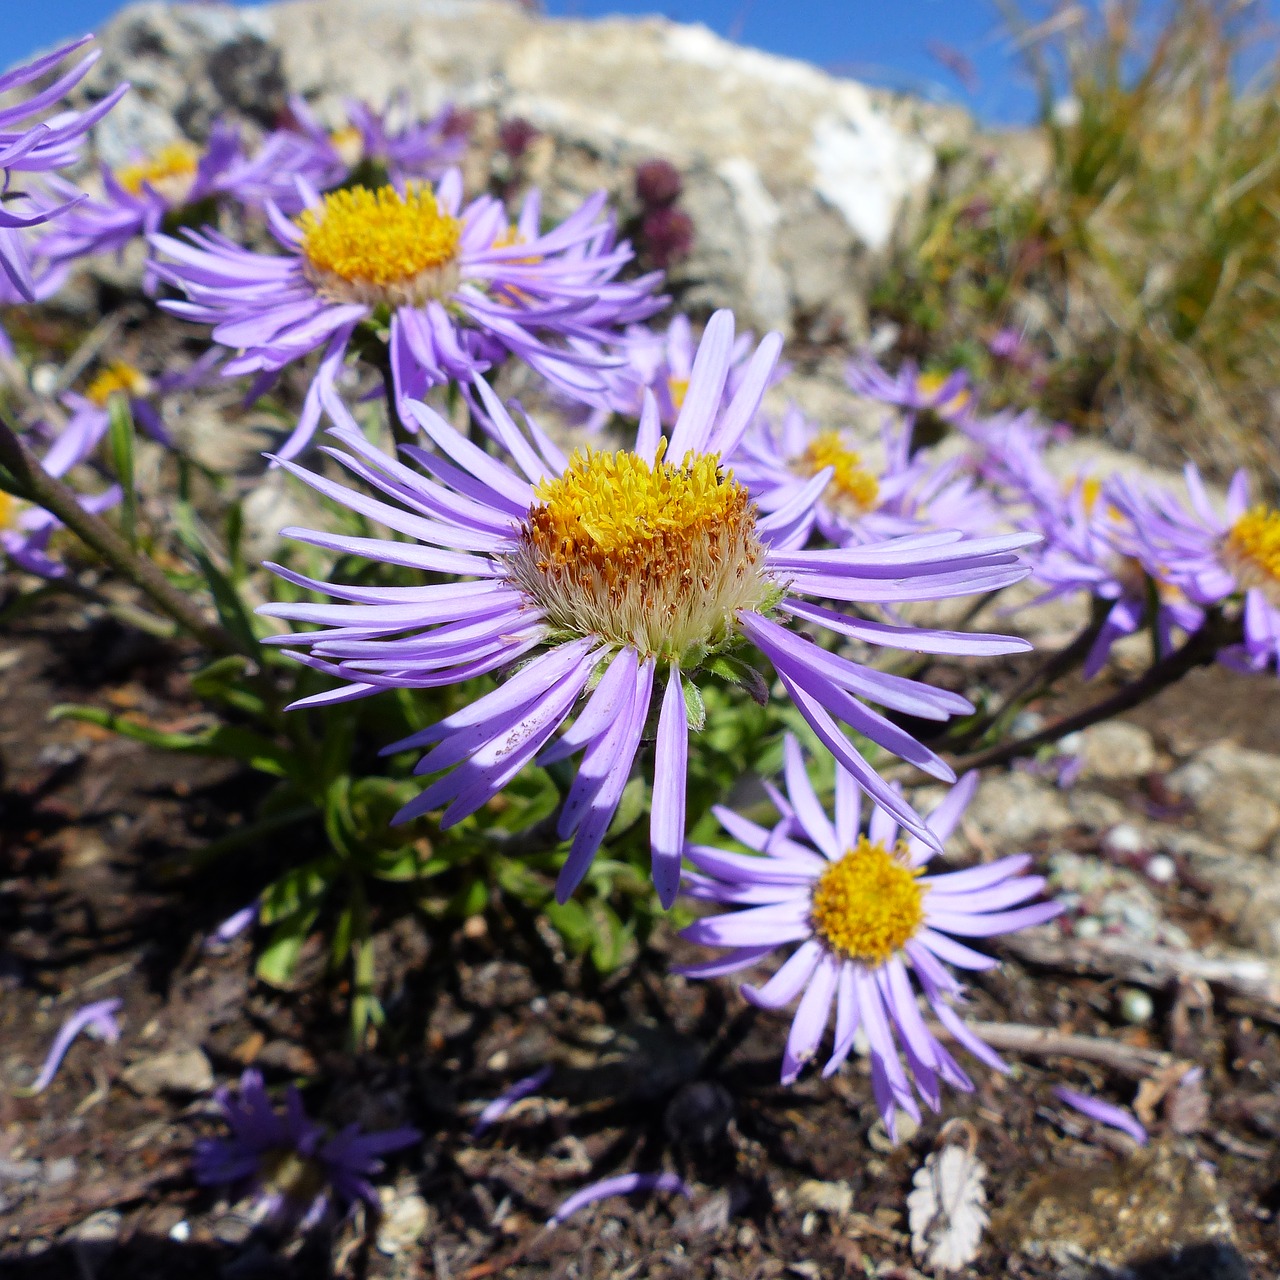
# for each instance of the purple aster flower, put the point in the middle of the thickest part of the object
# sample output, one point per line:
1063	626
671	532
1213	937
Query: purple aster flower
946	395
867	918
1088	543
153	191
624	1184
617	577
459	287
863	501
25	529
90	412
399	153
97	1018
293	1159
662	362
1213	560
29	144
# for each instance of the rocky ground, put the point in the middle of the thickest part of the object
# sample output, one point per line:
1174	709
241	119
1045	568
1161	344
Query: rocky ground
1165	849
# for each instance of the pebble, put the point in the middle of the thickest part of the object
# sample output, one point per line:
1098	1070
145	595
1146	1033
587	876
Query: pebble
184	1070
56	1172
1116	750
827	1197
404	1221
180	1232
1161	868
1136	1006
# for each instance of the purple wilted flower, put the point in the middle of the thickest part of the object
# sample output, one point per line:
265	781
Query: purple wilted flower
864	500
1104	1112
662	362
1212	559
666	235
235	924
946	395
294	1160
623	1185
401	152
515	136
505	1101
148	192
25	529
29	144
462	287
1011	346
642	567
658	183
97	1018
867	918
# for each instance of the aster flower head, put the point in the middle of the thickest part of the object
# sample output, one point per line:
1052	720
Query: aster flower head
618	578
35	140
947	396
152	191
1089	544
662	362
867	918
1228	560
866	499
295	1161
388	146
453	289
25	529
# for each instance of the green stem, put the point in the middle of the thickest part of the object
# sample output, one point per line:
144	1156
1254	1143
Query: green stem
38	486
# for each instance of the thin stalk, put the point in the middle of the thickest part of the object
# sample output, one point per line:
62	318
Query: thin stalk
46	491
1198	651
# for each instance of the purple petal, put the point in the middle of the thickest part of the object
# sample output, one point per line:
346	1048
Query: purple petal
623	1185
1104	1112
98	1016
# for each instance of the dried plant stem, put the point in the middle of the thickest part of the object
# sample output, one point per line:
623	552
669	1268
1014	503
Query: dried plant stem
1148	964
46	491
1045	1042
1199	650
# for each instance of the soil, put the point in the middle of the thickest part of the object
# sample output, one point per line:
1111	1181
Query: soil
651	1072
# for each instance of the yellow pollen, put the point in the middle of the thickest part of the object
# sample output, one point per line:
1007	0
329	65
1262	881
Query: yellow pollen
679	388
292	1175
171	171
1090	491
348	142
867	905
1252	550
929	384
117	376
658	556
381	247
855	488
8	510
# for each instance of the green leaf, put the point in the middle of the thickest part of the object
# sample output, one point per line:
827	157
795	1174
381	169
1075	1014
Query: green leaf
223	741
297	891
471	899
232	610
695	709
278	961
121	434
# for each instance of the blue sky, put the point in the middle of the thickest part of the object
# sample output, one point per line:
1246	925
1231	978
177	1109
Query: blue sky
886	43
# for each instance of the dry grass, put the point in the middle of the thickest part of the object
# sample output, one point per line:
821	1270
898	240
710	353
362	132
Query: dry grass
1143	264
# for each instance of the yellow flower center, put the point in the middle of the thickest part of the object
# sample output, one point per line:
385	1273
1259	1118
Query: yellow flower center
867	905
853	489
117	376
657	556
1252	551
8	510
348	142
679	388
381	247
929	384
171	171
1090	491
293	1176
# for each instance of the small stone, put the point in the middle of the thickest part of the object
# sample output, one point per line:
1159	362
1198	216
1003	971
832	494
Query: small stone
878	1135
1124	841
1116	750
180	1232
1088	927
1011	810
101	1228
1136	1006
56	1172
404	1221
183	1070
825	1197
1093	810
1161	868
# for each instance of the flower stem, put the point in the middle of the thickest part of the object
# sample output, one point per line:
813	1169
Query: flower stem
46	491
1198	651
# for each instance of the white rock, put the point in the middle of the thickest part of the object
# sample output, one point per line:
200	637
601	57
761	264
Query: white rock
1117	750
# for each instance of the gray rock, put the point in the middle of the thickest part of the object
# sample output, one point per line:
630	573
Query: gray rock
1014	808
181	1070
1115	750
1095	811
1225	763
799	183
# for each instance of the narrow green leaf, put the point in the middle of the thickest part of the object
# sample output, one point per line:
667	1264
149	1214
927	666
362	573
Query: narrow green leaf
121	434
